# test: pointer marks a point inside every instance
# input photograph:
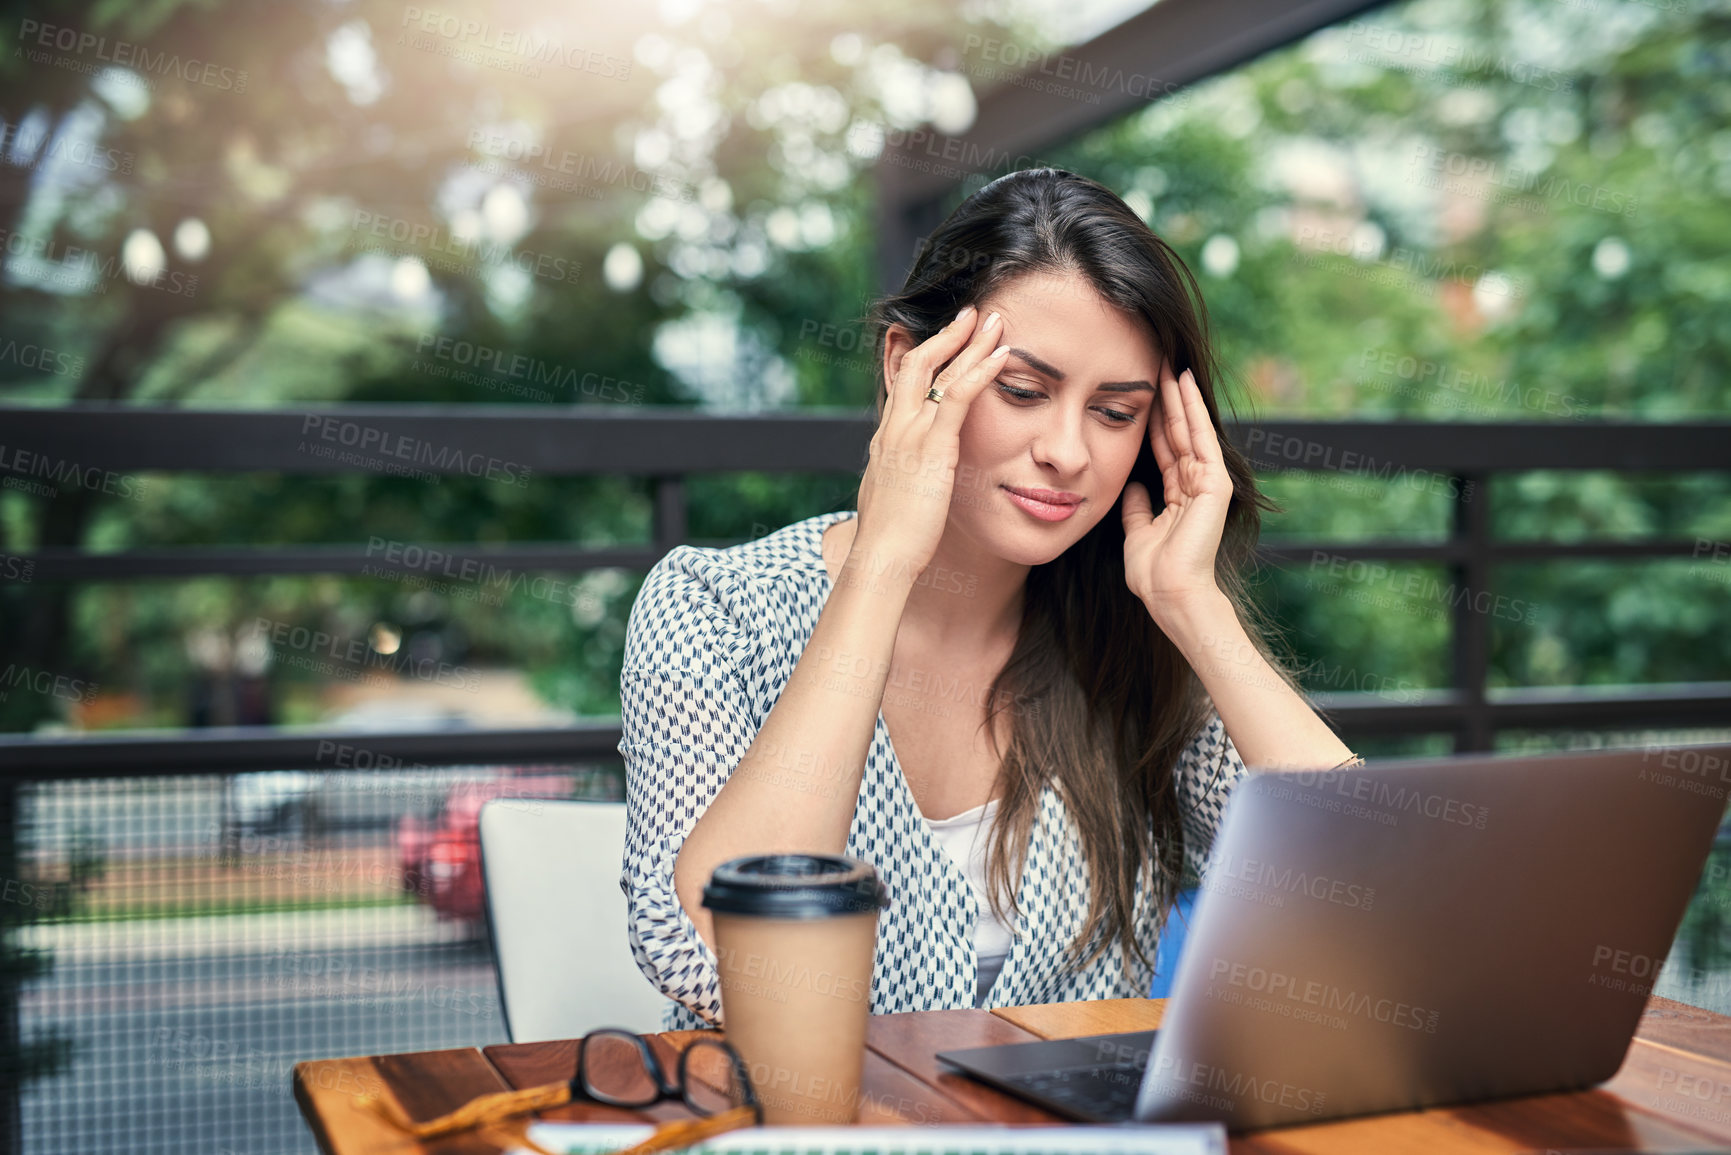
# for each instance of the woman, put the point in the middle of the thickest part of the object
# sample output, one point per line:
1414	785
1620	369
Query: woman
1072	683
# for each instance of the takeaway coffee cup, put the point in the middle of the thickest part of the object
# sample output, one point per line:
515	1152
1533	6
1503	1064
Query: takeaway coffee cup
794	938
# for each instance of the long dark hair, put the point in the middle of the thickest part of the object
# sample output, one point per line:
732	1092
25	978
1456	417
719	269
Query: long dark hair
1101	702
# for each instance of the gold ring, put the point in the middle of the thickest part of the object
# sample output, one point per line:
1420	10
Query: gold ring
934	394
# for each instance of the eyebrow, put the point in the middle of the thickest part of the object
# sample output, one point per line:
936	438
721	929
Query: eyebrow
1057	374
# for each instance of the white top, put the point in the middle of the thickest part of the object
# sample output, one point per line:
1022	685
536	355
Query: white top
965	837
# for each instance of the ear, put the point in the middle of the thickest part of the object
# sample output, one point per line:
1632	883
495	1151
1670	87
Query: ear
897	343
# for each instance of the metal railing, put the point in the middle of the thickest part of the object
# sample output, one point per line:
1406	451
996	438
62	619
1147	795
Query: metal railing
668	446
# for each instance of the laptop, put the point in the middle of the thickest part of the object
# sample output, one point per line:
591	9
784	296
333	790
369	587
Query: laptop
1405	935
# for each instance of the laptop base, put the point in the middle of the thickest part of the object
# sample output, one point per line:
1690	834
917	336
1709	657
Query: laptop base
1094	1079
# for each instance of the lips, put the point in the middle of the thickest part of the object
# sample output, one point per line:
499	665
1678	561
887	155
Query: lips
1044	504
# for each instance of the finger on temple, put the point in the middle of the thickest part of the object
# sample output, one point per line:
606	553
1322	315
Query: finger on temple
936	351
986	338
1174	415
1206	445
969	383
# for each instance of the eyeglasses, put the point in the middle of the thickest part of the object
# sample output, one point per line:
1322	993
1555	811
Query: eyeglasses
618	1068
615	1067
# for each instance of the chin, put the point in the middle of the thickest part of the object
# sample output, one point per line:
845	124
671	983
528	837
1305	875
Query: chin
1015	537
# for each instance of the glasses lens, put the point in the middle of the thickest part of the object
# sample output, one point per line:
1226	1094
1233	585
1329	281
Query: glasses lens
614	1070
714	1079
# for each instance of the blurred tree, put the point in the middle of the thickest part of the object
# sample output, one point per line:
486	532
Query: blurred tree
248	203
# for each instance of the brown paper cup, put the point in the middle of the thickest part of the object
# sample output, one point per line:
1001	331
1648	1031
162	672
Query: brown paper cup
795	935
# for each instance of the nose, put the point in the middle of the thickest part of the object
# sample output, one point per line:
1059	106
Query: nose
1060	445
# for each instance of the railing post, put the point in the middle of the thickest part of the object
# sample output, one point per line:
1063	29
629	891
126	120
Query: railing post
669	529
11	1036
1472	629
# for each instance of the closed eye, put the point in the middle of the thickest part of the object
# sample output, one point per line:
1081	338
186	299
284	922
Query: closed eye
1118	416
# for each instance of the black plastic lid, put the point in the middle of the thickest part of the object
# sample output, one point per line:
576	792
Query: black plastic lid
795	886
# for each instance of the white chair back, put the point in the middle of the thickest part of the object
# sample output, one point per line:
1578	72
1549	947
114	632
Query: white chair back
558	919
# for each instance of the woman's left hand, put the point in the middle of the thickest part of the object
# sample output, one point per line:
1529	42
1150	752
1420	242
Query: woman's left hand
1169	559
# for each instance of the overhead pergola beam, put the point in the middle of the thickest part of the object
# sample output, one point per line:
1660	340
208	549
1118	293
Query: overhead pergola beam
1170	45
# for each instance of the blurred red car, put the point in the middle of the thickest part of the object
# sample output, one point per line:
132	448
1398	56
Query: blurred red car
440	860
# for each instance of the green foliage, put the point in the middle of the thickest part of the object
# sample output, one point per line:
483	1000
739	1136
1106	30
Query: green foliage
301	300
1578	272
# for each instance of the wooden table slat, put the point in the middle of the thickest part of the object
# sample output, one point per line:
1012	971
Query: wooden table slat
325	1090
537	1064
1686	1089
1687	1028
911	1041
424	1084
889	1096
1592	1119
1401	1133
430	1083
1076	1020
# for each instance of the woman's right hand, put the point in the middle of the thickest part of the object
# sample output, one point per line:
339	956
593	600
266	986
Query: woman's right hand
904	497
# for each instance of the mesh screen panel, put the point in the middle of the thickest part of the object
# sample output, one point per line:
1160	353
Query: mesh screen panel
208	933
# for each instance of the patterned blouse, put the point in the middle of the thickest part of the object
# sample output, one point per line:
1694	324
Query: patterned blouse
711	642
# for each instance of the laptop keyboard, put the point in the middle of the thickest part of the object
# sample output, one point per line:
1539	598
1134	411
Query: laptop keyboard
1103	1092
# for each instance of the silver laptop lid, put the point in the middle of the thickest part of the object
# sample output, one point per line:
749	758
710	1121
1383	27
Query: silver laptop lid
1415	933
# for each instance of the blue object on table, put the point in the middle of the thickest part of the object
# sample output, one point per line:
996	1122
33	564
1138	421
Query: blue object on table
1171	943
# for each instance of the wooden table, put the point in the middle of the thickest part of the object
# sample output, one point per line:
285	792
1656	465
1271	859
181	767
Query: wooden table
1672	1094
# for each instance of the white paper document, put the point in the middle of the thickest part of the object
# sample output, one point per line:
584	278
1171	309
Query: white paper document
961	1139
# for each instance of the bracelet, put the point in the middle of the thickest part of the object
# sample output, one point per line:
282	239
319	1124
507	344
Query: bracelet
1355	760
